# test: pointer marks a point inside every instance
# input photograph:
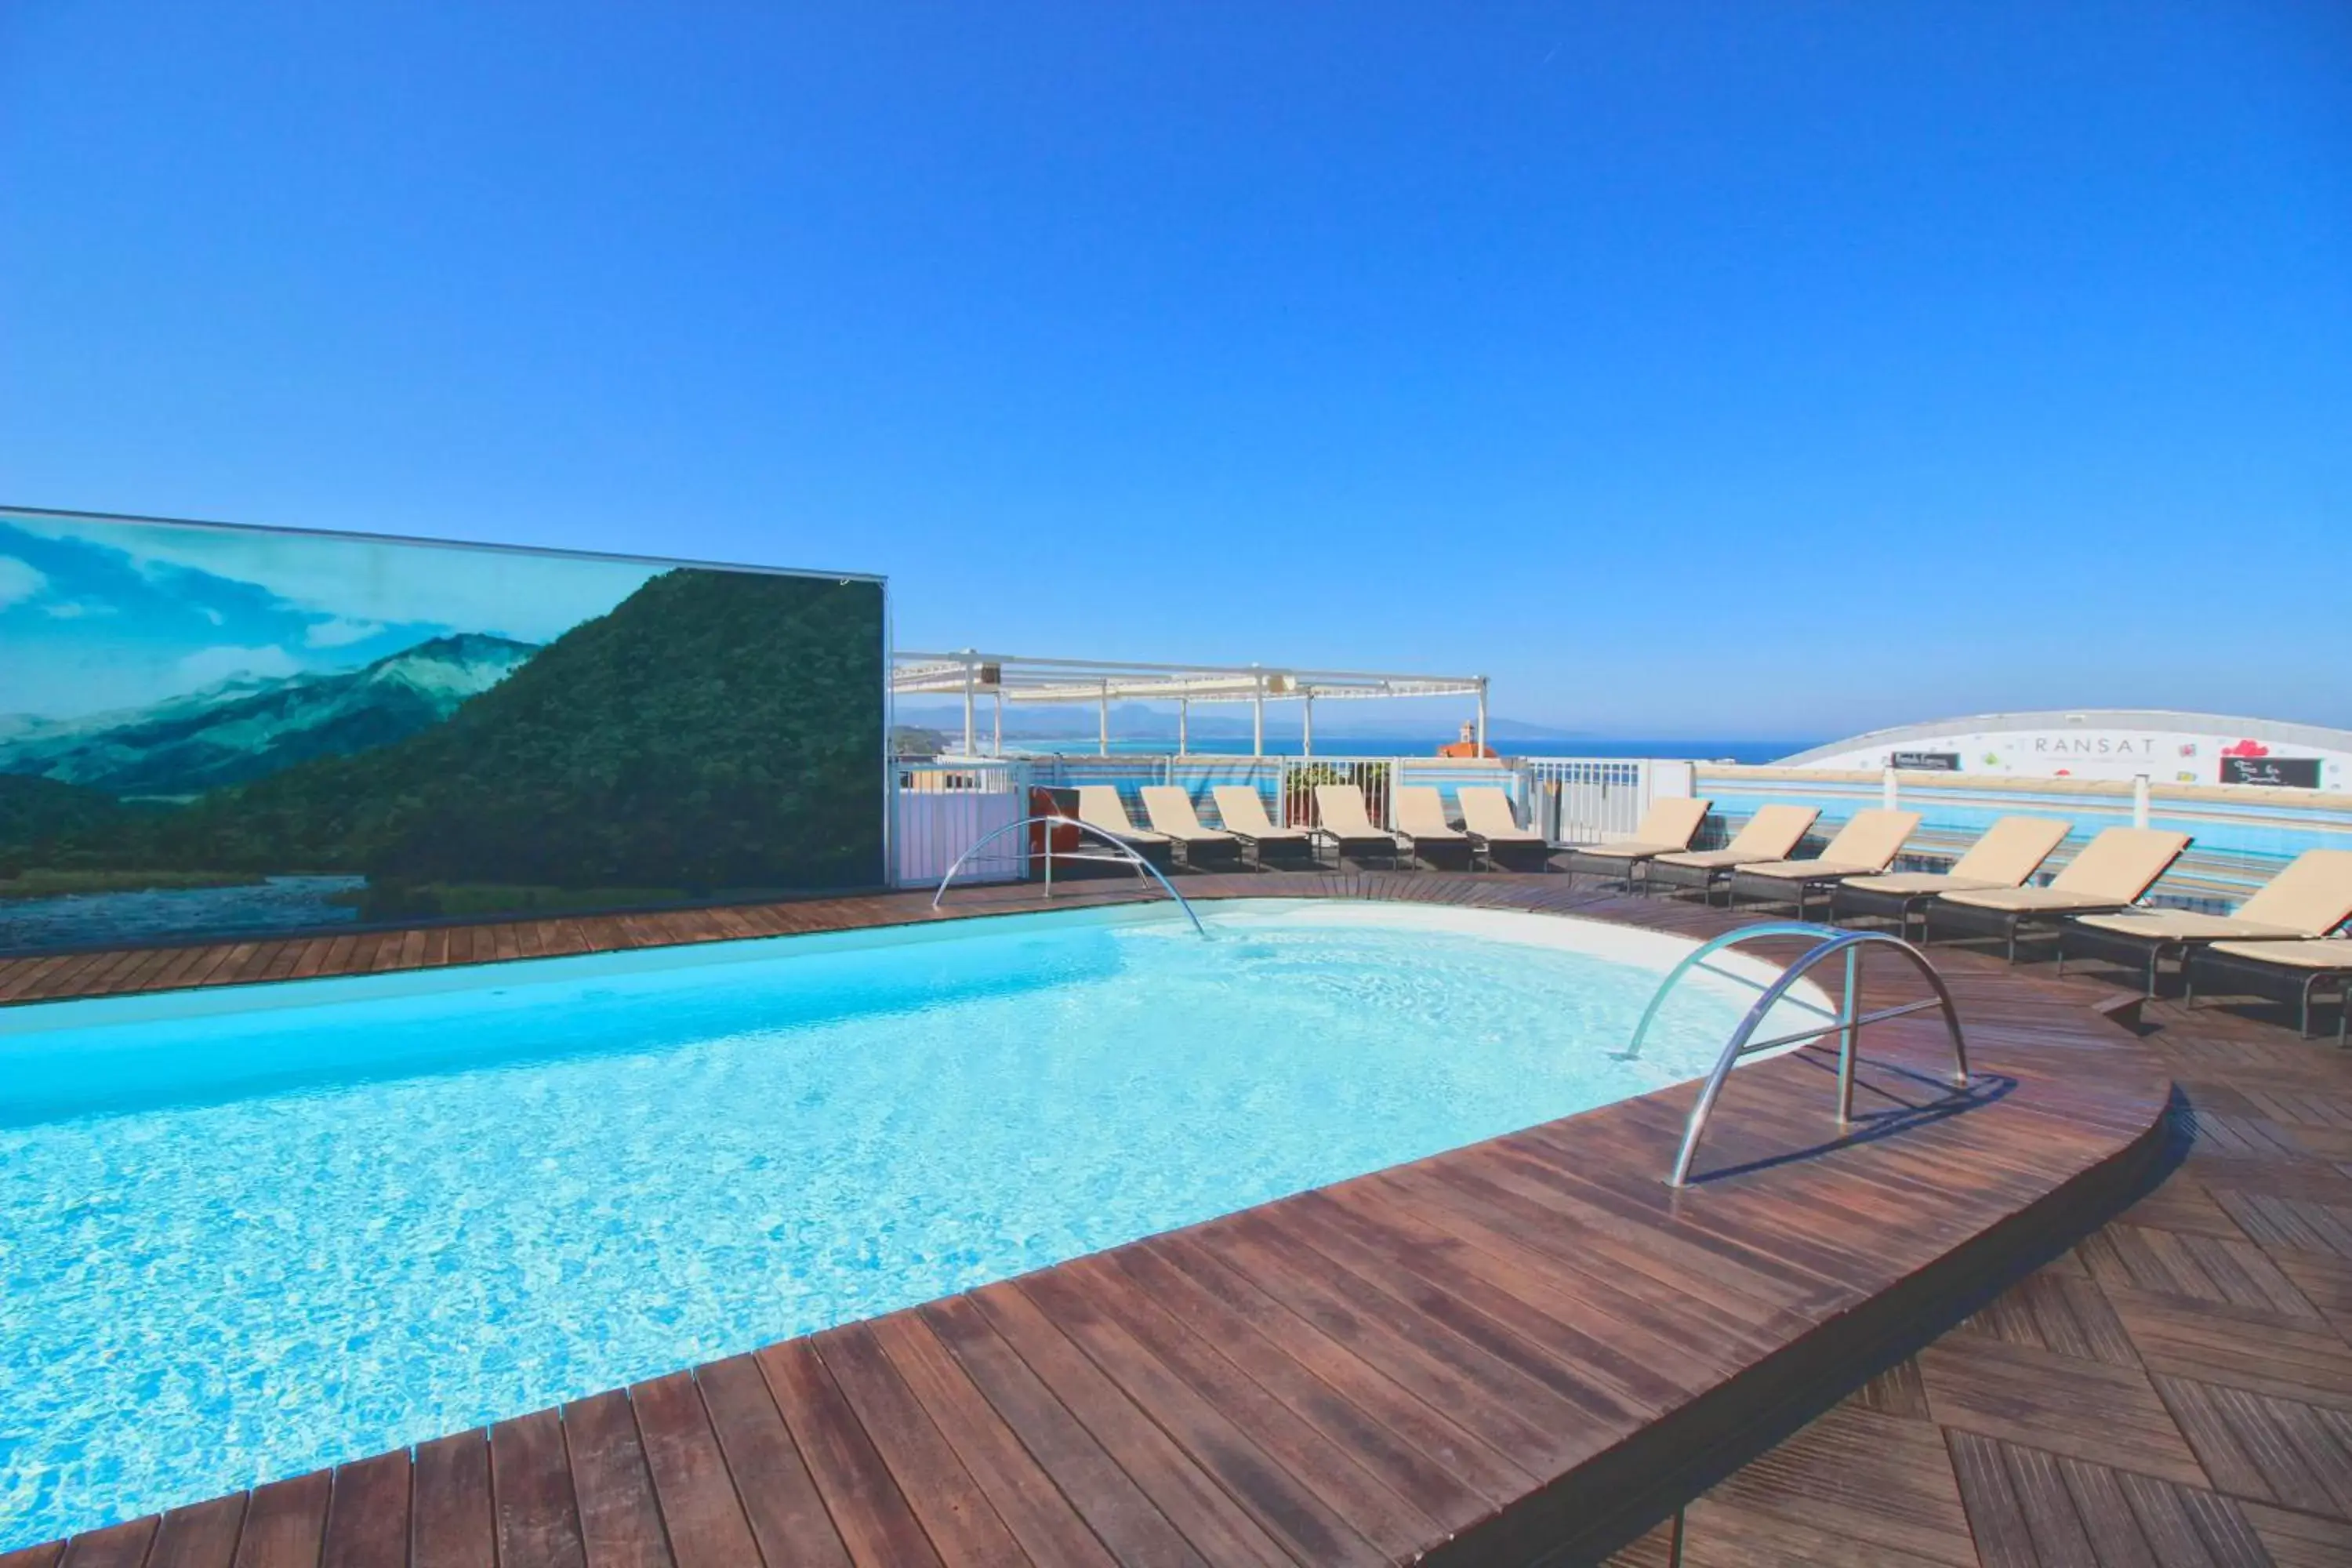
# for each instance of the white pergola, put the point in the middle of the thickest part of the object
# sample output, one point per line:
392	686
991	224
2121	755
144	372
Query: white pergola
1014	678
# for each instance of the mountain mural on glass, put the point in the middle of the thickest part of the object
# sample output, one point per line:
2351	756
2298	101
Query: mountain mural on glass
249	726
206	730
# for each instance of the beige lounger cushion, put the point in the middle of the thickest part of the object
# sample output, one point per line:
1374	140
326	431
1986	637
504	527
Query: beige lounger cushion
2182	925
2111	873
2311	898
1821	870
2011	850
1919	884
1669	824
1099	806
2120	864
1863	847
1869	841
2035	900
1171	810
2334	954
1421	813
1486	812
1769	834
2007	853
1703	859
1243	811
1626	849
1341	808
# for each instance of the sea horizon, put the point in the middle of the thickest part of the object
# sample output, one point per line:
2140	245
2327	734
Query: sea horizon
1748	751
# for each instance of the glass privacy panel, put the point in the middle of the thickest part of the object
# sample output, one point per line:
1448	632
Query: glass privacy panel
208	731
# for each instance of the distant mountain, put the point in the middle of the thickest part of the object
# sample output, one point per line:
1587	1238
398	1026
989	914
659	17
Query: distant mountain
716	729
250	727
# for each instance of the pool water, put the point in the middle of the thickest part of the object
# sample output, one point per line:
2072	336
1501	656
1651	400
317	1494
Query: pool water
245	1234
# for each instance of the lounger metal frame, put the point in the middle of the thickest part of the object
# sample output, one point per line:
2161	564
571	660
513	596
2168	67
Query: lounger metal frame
2314	981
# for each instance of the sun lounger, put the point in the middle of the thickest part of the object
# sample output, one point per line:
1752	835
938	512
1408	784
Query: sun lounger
1099	806
1767	835
1169	810
1243	811
2010	851
1343	819
1668	826
1421	823
1486	817
2310	898
2308	966
1865	846
2114	871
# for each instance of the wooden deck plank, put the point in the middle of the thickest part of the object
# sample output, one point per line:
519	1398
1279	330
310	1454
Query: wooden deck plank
954	1511
449	1490
118	1546
201	1536
620	1523
867	1509
1305	1491
285	1523
1024	1496
367	1514
703	1516
1413	1452
2294	1357
1115	1507
787	1518
1217	1526
537	1514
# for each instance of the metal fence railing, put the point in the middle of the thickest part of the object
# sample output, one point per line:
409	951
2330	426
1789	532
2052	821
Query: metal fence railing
946	806
1584	800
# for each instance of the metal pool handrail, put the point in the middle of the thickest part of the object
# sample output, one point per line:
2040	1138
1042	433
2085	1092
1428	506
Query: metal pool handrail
1126	852
1848	1025
1696	959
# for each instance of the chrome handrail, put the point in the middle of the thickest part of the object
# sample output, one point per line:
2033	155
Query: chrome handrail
1125	852
1847	1026
1714	944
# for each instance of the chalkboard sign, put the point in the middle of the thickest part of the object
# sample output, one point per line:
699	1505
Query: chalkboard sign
2280	773
1929	761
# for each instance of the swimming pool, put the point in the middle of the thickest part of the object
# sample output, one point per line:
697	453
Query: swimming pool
248	1232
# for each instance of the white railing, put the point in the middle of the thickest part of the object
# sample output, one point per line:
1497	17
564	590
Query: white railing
946	805
1584	800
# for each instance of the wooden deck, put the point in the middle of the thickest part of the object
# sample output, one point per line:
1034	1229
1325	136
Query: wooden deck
1526	1350
2177	1389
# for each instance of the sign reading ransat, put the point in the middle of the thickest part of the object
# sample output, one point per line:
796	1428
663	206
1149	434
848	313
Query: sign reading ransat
2177	747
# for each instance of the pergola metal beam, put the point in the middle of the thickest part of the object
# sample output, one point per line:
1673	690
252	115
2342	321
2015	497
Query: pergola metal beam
1015	678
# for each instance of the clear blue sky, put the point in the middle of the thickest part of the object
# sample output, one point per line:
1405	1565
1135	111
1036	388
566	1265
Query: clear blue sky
1726	370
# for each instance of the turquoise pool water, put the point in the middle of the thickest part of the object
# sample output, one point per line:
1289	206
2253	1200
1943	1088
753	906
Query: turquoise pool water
247	1234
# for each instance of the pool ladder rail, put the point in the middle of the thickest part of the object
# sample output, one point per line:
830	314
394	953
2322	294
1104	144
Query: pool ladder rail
1123	853
1830	942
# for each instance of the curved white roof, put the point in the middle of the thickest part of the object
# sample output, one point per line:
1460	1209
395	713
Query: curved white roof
2221	726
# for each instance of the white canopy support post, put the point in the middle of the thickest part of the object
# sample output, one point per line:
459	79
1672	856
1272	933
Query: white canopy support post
1102	716
1257	720
1481	736
1183	724
996	747
1889	790
1307	726
970	674
2139	800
